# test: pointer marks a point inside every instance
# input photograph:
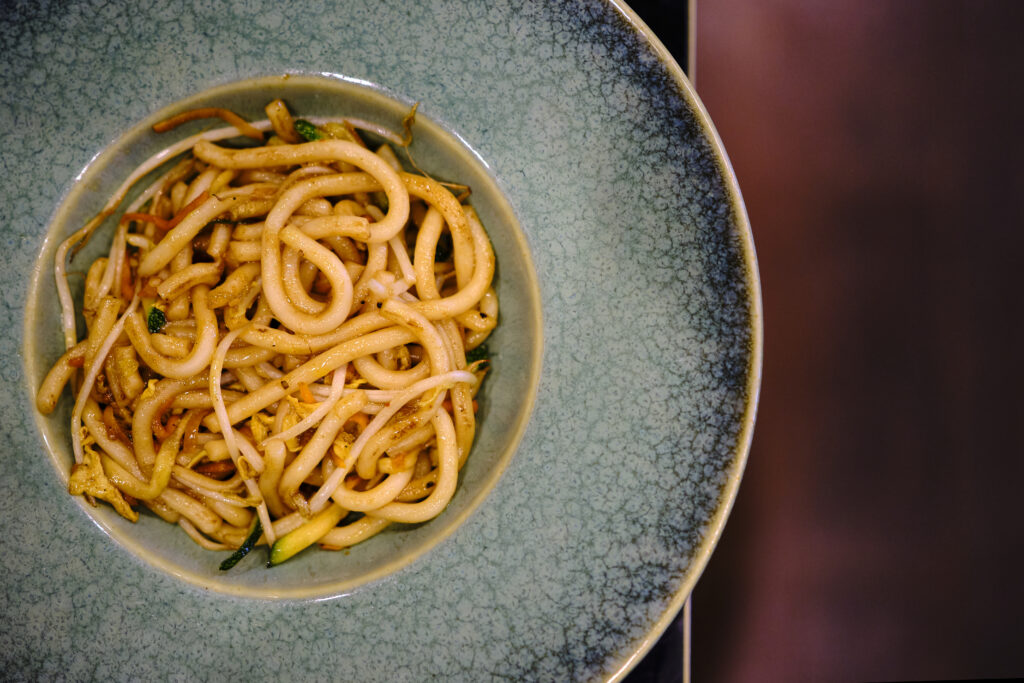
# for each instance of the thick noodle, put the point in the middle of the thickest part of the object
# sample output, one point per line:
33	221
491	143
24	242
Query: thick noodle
278	336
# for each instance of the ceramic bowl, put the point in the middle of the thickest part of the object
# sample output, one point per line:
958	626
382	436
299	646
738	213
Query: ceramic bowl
505	400
627	363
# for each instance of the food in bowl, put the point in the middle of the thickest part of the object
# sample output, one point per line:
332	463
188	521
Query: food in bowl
284	341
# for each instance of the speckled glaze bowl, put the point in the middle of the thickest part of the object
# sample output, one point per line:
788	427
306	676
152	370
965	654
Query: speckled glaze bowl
505	400
624	254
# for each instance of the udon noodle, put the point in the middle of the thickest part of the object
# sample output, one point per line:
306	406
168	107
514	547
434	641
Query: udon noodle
276	344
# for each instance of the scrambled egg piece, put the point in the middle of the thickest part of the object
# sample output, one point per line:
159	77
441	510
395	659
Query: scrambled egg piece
88	478
260	425
150	390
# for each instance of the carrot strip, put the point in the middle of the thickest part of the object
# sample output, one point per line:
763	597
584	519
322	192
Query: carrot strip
127	288
360	419
114	430
187	209
216	469
146	218
305	394
160	430
166	430
230	117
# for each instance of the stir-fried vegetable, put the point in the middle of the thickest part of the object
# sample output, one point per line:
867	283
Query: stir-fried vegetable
243	550
308	131
306	535
155	320
479	353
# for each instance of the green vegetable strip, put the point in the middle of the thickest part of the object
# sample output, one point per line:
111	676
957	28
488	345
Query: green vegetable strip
479	353
308	131
243	550
299	539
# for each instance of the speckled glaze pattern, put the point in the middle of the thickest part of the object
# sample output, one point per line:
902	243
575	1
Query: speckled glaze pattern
610	507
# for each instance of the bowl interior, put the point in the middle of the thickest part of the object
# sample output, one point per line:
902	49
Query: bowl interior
505	401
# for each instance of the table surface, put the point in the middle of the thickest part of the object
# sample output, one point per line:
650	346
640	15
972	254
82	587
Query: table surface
877	534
